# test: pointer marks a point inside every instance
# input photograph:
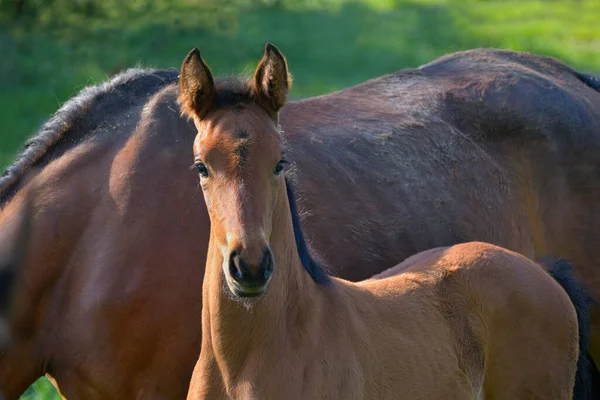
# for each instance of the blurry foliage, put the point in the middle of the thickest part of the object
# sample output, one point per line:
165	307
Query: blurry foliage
74	13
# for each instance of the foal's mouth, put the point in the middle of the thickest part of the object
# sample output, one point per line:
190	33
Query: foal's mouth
247	292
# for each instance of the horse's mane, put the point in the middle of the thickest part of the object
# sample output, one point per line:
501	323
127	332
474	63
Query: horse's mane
58	127
232	90
314	268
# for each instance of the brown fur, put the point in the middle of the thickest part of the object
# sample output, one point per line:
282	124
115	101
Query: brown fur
272	80
480	145
468	321
14	239
448	327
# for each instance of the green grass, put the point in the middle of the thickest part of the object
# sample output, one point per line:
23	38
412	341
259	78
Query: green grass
330	44
42	389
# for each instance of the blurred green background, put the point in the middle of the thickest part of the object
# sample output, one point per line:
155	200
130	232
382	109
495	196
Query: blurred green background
50	49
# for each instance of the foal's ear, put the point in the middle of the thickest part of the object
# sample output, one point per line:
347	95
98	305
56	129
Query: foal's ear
196	86
272	80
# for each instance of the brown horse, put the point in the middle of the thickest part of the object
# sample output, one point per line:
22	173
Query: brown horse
481	145
14	238
447	323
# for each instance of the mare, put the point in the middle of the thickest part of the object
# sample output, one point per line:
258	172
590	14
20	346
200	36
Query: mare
480	145
14	237
469	321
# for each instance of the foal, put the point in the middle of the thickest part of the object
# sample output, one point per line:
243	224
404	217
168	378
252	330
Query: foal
470	321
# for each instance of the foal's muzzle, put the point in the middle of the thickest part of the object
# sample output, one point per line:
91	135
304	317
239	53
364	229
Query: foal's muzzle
246	280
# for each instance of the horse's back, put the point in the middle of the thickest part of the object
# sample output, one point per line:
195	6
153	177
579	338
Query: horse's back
484	269
511	322
484	93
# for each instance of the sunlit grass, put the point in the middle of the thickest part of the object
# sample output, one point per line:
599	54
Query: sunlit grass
42	389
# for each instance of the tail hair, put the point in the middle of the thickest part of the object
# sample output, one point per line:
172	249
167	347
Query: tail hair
562	271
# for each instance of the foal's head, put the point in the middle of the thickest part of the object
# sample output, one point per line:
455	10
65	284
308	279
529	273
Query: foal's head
240	155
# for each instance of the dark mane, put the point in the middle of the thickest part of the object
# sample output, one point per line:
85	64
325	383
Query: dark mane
232	91
592	81
57	131
314	269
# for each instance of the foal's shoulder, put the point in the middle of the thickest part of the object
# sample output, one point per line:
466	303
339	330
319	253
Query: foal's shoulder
470	257
417	262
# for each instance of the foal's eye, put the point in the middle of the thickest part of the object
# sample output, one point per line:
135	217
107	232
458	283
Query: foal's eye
202	170
279	167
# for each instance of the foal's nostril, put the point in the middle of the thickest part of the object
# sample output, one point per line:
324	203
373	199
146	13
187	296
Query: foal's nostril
267	263
268	273
234	267
250	276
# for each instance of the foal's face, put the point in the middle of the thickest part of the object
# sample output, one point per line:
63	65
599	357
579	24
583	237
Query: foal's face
239	154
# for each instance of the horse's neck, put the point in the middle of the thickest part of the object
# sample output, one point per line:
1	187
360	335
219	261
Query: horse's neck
253	342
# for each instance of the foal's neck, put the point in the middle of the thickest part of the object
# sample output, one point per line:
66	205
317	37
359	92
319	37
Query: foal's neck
248	341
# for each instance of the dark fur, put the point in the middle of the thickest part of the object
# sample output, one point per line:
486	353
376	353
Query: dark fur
591	81
232	91
242	133
314	269
10	266
562	271
7	278
71	124
242	151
